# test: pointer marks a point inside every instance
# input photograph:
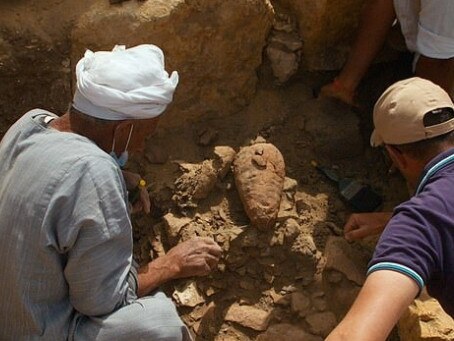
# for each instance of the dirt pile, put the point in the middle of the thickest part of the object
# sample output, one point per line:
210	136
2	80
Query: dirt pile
299	272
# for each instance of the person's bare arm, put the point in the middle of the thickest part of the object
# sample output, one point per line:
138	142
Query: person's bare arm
361	225
379	305
195	257
377	18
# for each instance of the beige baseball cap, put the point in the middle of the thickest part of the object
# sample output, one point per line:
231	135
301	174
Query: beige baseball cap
399	112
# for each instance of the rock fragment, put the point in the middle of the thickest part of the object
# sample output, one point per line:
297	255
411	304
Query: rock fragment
425	320
321	323
188	295
248	316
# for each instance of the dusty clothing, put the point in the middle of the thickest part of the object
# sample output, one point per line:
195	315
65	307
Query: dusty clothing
419	239
428	26
151	318
65	234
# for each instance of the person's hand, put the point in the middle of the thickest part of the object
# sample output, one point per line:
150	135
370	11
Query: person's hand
361	225
337	90
143	203
194	257
133	183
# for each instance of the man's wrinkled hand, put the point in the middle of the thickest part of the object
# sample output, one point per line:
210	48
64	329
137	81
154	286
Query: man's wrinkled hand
362	225
194	257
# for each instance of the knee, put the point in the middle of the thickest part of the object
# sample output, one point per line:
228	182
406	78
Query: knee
170	330
168	333
160	321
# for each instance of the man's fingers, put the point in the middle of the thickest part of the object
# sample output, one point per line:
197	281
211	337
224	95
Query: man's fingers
360	233
351	224
204	270
208	264
209	246
201	266
212	261
215	250
131	179
356	234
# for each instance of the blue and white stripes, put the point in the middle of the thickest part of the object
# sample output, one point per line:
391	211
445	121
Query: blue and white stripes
405	270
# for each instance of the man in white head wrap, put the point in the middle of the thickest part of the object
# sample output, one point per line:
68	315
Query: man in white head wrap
124	84
66	229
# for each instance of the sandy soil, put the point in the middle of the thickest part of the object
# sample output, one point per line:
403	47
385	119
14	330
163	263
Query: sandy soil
263	268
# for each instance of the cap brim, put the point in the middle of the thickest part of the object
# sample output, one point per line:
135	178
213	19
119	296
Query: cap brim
375	139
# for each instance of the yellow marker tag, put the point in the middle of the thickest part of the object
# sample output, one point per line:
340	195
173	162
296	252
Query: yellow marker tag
142	183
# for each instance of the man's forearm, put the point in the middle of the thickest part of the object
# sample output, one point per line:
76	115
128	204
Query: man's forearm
382	300
154	274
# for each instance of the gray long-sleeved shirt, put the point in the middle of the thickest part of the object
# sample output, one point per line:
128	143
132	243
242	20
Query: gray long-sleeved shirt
65	231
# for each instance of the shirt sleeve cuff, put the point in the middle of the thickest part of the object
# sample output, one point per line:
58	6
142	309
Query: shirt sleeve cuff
434	45
133	280
401	269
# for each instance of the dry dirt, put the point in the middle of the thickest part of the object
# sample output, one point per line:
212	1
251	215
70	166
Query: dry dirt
260	269
270	272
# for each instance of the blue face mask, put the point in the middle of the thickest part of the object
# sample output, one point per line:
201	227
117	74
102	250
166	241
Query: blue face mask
120	160
123	158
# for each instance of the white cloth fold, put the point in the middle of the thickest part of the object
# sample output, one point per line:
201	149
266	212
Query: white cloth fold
124	83
428	26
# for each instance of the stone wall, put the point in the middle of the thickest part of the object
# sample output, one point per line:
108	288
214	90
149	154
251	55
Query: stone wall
326	27
215	45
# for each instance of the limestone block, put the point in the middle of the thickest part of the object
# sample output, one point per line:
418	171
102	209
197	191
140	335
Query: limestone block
188	295
344	273
342	257
425	320
174	224
248	316
215	45
284	52
327	28
283	63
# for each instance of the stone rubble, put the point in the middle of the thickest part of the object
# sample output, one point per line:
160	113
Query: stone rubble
425	320
249	317
188	295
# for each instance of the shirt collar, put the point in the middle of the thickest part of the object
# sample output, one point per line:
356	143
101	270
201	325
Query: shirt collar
436	160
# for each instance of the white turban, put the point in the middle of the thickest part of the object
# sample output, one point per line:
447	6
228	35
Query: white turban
124	83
